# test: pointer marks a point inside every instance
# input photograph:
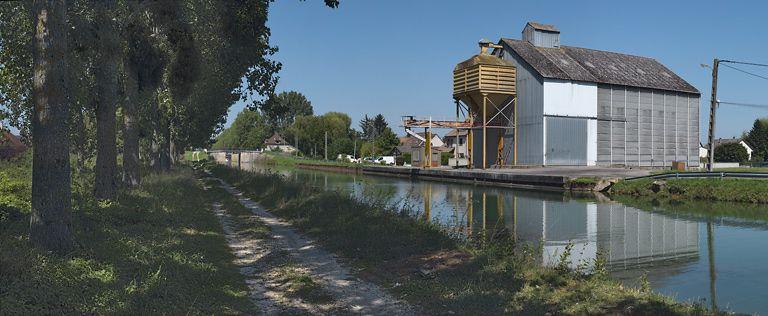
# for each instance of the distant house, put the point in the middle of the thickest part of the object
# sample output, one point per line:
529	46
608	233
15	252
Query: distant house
436	140
457	139
10	146
418	157
722	141
415	146
703	151
277	143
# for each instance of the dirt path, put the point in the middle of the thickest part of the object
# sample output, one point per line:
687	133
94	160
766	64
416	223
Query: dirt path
270	264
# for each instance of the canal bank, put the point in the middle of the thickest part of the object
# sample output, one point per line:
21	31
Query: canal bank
551	178
401	250
613	181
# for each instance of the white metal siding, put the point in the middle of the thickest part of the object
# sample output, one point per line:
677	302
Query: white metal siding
569	98
530	111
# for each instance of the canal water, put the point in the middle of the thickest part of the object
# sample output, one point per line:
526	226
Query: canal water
701	252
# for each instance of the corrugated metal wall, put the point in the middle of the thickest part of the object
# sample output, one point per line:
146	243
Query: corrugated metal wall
530	111
644	127
566	141
541	38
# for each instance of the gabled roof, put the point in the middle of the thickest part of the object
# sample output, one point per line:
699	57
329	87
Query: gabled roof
544	27
453	133
723	141
10	145
589	65
276	139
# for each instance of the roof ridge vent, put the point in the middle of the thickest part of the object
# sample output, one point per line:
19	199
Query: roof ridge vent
541	35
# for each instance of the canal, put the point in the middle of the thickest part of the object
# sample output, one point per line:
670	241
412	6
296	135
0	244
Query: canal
700	252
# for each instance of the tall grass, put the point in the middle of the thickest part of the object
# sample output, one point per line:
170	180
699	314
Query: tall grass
154	250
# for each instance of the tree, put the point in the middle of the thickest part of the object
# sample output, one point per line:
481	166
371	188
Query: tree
50	221
731	152
386	142
757	138
366	127
310	131
248	131
373	127
282	109
379	125
108	59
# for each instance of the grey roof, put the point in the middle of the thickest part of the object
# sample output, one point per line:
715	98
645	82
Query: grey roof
453	133
544	27
723	141
583	64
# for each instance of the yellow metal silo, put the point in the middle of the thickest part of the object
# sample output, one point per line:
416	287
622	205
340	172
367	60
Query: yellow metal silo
485	84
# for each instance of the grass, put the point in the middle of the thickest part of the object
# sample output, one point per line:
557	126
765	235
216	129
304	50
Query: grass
739	169
154	250
724	190
299	284
473	277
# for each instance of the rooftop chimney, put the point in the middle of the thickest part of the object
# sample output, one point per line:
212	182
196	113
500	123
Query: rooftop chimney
541	35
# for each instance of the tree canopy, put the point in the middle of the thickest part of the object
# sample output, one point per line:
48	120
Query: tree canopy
757	138
248	131
731	152
281	110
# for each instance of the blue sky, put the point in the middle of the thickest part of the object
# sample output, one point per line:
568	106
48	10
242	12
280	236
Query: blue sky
395	57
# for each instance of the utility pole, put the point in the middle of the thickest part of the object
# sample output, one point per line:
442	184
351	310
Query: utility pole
712	111
354	147
326	145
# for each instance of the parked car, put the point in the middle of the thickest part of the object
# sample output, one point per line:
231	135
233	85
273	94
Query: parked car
385	160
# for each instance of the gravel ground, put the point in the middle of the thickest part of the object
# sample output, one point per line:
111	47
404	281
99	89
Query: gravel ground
259	259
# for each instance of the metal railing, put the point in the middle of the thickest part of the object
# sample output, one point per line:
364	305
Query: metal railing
723	174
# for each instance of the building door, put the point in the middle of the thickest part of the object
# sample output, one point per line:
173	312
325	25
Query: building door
566	141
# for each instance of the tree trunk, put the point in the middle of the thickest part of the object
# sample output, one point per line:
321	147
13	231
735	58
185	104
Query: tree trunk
106	101
131	175
50	222
165	151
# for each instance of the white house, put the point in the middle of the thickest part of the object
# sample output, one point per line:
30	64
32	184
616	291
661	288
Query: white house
722	141
457	139
277	143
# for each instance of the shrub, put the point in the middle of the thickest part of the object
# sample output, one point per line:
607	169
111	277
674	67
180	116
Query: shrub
732	152
444	158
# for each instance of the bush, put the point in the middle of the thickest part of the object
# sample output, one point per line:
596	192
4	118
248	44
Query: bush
404	158
732	152
444	158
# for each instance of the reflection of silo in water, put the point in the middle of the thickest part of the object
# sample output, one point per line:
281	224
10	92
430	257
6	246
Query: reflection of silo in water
625	235
633	236
484	212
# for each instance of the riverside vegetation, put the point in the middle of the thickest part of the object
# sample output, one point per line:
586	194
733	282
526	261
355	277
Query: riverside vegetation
419	263
723	190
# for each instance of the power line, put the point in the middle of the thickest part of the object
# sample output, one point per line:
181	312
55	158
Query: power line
744	63
746	72
752	105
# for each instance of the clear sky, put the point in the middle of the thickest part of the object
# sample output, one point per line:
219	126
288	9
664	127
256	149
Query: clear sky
395	57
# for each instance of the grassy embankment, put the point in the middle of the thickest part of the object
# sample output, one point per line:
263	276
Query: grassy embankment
473	278
157	249
724	190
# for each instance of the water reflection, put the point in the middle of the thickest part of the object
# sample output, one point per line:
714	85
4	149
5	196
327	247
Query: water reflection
674	249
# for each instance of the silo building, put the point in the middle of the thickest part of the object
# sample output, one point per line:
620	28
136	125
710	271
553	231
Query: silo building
585	107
